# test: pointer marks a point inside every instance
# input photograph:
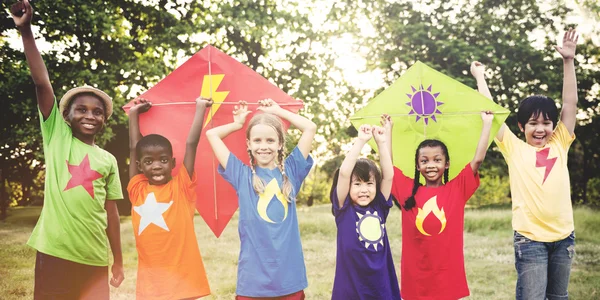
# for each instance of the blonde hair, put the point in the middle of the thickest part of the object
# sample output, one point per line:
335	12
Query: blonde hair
258	183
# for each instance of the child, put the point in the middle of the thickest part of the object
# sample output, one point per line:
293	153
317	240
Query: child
271	262
544	237
361	199
169	261
71	234
432	265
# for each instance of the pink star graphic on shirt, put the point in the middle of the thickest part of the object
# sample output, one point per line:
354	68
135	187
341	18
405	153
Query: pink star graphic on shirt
82	175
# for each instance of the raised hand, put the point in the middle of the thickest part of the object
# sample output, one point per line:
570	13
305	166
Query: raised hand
204	102
365	132
140	105
386	122
268	106
477	70
22	13
379	134
567	51
487	117
240	112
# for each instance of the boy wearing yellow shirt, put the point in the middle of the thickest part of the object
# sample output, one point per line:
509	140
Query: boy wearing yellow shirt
544	237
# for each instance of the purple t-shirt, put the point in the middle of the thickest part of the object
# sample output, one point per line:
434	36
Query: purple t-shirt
364	266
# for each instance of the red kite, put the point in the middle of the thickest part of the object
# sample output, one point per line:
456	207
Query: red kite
212	74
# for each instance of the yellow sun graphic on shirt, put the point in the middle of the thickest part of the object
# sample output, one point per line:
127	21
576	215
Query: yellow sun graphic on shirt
370	229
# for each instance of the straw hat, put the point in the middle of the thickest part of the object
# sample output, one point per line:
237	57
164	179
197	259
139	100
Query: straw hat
69	95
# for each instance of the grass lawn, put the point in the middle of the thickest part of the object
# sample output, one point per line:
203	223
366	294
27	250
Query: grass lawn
489	254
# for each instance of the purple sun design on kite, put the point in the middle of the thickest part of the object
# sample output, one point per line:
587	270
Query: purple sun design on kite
424	104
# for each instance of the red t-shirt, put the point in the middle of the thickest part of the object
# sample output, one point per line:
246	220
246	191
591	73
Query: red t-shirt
432	263
169	261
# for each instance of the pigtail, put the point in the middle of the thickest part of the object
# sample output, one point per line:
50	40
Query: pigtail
257	183
446	176
287	184
411	202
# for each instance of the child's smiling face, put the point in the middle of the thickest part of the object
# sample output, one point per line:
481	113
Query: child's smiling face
86	116
432	164
537	131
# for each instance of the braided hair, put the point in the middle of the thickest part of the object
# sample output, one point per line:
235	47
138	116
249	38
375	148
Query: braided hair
258	183
410	201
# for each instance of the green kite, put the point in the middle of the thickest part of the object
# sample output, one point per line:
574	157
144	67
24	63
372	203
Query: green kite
426	104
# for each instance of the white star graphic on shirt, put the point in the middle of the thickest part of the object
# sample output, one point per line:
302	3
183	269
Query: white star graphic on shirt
151	212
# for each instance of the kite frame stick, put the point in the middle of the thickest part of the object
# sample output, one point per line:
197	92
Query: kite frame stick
412	115
212	126
222	103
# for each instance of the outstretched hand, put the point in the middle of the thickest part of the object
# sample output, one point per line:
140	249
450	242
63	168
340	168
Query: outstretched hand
268	106
240	112
365	132
487	117
567	51
22	13
379	134
140	105
477	70
204	102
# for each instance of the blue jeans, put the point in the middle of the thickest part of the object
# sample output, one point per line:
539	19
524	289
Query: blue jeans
543	269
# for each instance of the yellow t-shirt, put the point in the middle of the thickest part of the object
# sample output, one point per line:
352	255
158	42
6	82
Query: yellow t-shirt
540	185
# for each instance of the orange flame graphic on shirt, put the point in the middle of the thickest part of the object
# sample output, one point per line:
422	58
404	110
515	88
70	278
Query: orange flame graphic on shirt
429	207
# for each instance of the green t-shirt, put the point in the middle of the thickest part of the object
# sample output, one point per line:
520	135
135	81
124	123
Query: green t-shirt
79	178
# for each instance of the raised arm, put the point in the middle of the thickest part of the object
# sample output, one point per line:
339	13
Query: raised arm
308	128
216	135
478	72
365	132
139	106
481	150
388	125
191	145
39	73
385	160
569	92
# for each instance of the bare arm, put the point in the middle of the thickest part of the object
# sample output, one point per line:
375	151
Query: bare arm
481	150
388	125
113	231
344	177
569	106
139	106
385	161
478	71
308	128
191	145
216	135
39	73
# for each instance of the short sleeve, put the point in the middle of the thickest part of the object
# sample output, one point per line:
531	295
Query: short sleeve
187	184
297	167
114	190
466	181
509	139
235	171
401	185
562	136
54	124
336	203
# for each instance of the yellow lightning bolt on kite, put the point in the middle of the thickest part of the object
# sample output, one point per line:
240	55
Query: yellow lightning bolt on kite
210	84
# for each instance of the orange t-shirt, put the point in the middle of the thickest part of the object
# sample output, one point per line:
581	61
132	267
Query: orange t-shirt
169	261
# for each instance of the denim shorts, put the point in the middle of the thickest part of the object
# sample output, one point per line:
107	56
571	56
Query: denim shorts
56	278
543	268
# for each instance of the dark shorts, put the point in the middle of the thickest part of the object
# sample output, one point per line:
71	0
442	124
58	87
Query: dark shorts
56	278
295	296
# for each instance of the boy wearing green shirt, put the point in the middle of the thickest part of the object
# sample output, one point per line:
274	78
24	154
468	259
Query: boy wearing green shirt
76	220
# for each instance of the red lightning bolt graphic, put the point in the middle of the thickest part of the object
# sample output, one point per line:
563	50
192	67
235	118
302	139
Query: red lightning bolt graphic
543	161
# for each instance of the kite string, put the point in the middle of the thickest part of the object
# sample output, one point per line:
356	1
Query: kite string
412	115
